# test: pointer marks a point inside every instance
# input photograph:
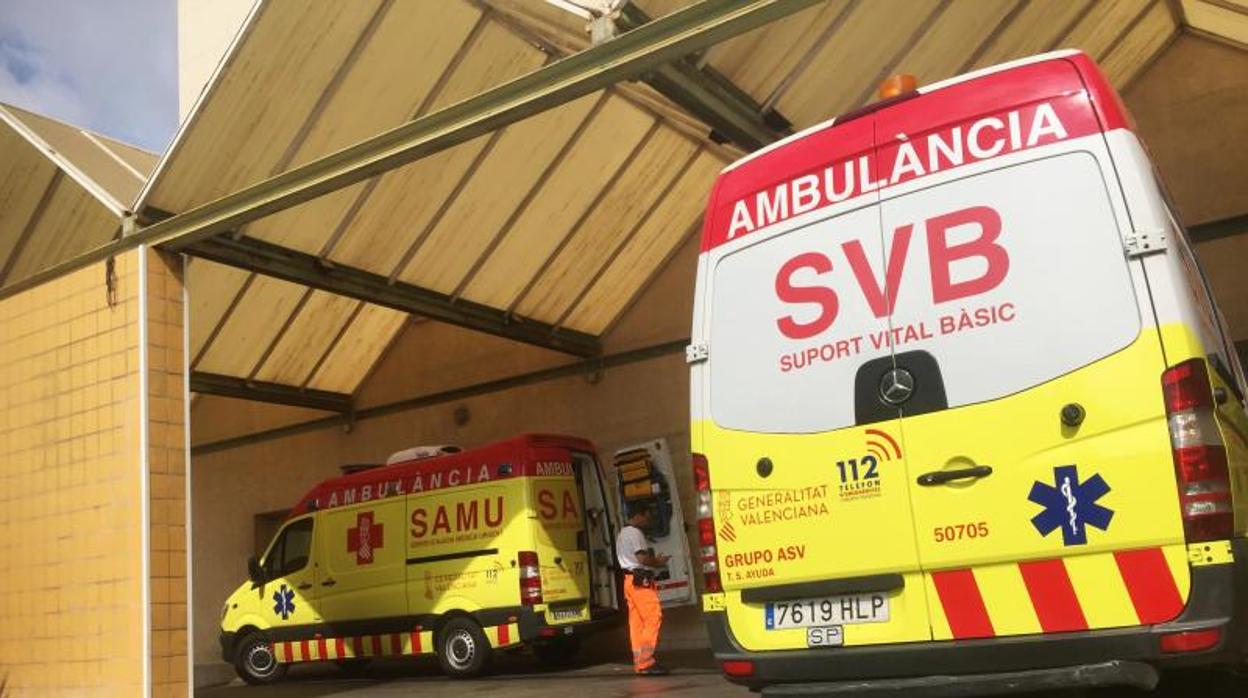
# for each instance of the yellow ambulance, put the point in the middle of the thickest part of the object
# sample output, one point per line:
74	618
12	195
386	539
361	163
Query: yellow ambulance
965	416
456	555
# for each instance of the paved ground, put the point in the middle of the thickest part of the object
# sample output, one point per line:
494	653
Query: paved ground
519	676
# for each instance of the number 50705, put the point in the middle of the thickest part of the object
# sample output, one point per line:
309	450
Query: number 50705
946	534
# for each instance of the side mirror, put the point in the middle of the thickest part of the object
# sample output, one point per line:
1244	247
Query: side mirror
254	571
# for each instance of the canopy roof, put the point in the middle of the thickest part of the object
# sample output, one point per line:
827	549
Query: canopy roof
560	219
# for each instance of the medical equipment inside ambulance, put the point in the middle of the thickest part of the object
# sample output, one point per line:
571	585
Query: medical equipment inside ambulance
643	474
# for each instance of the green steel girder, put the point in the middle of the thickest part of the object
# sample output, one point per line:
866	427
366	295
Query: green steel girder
707	94
1224	228
628	55
263	391
314	272
625	57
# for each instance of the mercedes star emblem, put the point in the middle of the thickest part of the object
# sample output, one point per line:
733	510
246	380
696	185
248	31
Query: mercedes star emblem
896	386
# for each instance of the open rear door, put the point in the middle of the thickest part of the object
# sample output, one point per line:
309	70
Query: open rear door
644	473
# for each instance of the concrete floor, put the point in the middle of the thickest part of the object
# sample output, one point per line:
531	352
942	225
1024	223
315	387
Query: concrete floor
519	676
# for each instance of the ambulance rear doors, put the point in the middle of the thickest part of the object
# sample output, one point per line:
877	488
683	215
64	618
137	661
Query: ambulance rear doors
1028	367
570	530
813	528
937	413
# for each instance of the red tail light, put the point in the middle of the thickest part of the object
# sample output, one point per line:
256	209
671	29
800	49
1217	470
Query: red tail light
530	578
1190	641
1199	454
709	554
738	667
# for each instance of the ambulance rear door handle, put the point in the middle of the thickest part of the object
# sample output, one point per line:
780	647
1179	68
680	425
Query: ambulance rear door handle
940	477
328	583
305	586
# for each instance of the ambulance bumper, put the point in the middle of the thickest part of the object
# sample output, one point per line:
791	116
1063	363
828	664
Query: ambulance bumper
966	667
534	628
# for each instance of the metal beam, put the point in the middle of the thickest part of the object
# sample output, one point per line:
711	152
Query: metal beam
312	271
631	54
707	94
263	391
587	367
669	38
700	91
1213	230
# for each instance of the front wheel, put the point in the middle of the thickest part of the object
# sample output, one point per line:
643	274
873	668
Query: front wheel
255	662
463	649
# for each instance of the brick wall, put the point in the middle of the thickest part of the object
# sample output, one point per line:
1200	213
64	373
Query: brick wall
72	583
166	448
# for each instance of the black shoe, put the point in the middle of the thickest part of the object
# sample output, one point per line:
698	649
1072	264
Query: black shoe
654	670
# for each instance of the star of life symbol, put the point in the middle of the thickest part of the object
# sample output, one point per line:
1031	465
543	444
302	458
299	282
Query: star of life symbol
284	602
364	538
1070	505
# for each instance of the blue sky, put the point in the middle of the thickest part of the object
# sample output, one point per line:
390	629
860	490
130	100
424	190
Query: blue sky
105	65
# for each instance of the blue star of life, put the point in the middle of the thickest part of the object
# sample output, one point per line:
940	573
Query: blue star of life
1070	505
284	602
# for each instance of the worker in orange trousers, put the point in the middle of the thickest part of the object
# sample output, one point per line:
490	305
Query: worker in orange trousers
640	564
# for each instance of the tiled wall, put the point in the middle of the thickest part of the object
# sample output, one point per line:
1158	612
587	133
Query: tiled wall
166	449
71	483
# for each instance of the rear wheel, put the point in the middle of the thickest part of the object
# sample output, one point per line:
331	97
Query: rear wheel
463	649
255	662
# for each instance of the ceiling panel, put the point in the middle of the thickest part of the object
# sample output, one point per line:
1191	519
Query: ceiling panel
604	145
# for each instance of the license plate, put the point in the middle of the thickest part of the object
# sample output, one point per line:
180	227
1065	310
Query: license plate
560	614
827	611
826	636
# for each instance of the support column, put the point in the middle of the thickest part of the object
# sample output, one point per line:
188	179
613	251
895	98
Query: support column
166	462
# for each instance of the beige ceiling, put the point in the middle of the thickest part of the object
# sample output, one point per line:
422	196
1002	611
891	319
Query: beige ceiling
560	218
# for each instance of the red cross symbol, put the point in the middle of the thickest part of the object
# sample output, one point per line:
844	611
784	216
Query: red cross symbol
364	538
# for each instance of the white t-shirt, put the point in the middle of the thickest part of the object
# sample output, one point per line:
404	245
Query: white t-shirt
627	543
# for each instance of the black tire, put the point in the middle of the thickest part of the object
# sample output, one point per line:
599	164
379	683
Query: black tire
353	667
463	649
560	652
255	662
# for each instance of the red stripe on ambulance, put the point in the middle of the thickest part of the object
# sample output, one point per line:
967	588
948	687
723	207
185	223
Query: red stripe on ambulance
946	129
963	604
1053	596
1151	585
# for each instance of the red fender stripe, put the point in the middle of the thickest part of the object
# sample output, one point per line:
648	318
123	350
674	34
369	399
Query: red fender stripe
323	651
357	644
340	645
376	645
963	604
304	654
1053	596
504	635
396	644
415	642
1151	585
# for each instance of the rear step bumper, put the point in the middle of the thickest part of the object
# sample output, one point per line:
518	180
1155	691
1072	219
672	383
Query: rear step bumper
601	619
1134	674
1080	656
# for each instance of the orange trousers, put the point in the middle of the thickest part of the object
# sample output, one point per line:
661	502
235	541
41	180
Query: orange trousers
645	617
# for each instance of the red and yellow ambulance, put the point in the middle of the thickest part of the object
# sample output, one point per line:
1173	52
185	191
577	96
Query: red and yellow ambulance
455	555
964	413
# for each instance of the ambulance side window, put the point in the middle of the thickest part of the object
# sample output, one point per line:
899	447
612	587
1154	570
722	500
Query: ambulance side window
290	551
